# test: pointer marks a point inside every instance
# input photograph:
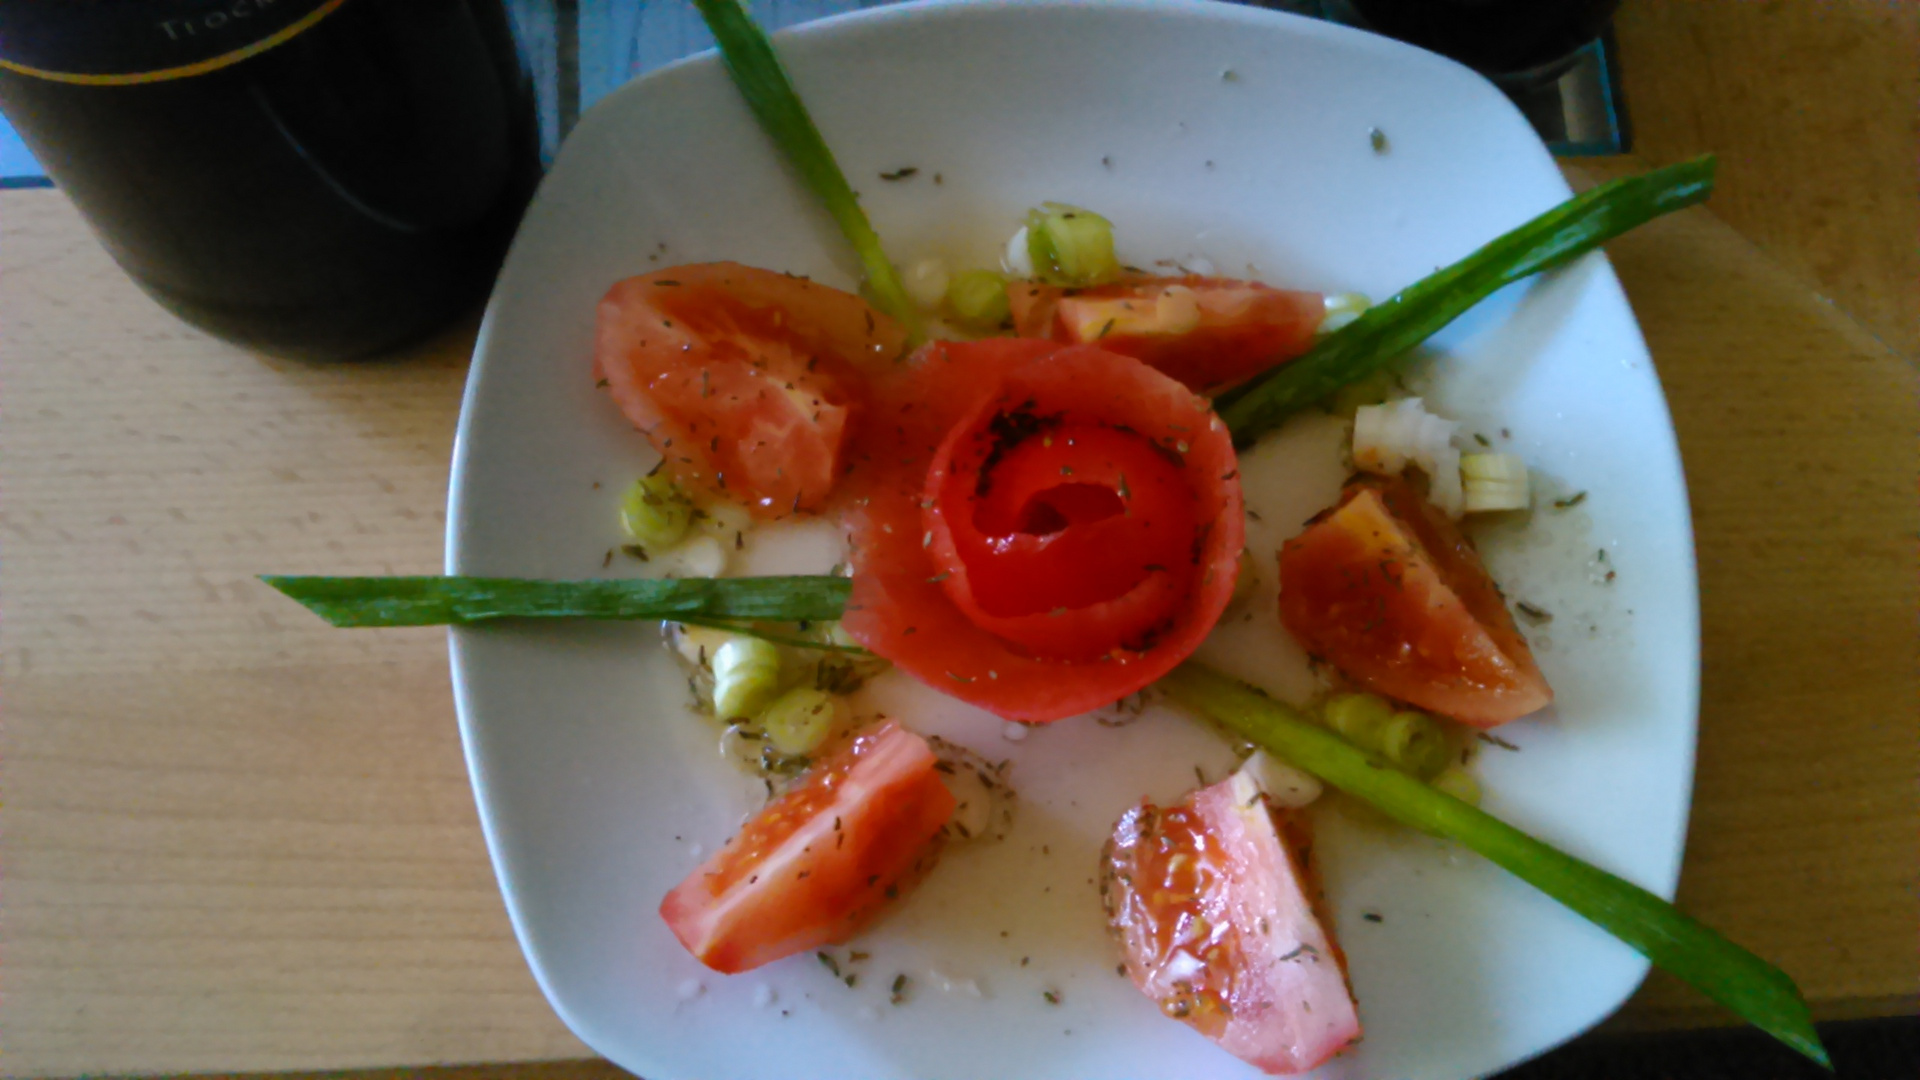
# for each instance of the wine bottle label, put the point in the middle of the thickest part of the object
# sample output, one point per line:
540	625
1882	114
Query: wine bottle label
124	42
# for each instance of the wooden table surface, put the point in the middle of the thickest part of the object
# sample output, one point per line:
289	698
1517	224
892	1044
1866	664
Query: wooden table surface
233	839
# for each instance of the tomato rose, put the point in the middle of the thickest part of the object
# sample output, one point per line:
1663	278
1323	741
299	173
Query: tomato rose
1385	589
1040	530
1205	332
747	381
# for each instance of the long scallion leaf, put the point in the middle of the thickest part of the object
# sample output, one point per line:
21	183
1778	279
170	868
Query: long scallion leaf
1760	993
1387	331
452	601
770	95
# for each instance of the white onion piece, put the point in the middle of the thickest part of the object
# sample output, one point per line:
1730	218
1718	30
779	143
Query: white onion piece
1018	261
1282	784
1386	438
926	282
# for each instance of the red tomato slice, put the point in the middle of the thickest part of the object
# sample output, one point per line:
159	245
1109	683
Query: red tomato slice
1082	539
1039	530
819	862
1385	589
1205	332
745	380
1212	906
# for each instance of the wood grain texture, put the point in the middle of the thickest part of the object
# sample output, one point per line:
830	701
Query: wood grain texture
1814	109
232	838
1797	429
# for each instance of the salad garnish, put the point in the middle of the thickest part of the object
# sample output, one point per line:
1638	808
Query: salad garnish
461	601
863	824
1055	524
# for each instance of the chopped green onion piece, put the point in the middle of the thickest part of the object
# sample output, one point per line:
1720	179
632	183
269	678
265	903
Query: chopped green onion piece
1416	744
926	283
1494	481
746	676
978	299
695	644
1457	783
457	601
1071	246
1342	308
792	641
1757	991
1388	330
800	720
1358	718
1412	742
655	512
750	59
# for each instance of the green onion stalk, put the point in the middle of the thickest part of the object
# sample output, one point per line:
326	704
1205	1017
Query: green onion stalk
769	93
1387	331
463	601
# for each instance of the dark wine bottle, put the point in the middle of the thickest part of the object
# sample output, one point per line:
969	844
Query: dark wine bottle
1497	37
326	179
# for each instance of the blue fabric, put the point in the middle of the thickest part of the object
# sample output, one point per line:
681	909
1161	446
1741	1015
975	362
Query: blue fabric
17	167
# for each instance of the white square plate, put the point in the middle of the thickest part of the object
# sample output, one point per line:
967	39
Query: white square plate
1234	132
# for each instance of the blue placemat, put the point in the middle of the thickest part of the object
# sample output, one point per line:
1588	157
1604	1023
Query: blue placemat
17	167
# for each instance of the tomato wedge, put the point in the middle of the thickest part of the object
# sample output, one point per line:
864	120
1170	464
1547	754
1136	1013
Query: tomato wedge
1039	530
1212	905
815	865
1385	589
746	381
1206	332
